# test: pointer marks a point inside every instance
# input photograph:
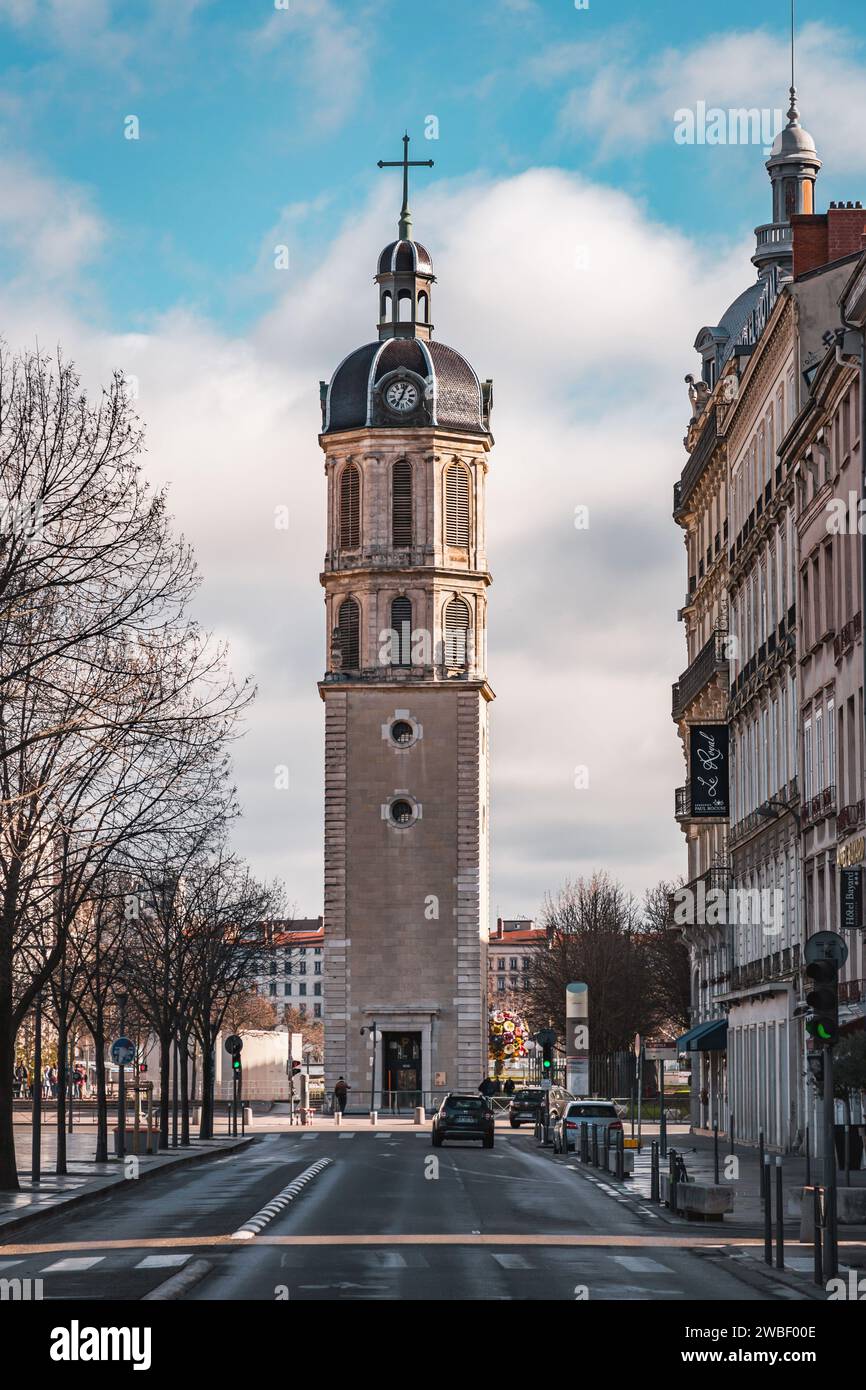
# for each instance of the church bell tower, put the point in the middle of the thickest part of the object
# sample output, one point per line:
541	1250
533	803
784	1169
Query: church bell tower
406	438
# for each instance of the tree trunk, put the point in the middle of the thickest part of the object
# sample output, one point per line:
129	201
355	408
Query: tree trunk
62	1082
8	1167
184	1090
164	1087
207	1089
101	1096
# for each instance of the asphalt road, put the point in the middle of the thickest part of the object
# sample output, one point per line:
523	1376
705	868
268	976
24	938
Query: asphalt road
388	1217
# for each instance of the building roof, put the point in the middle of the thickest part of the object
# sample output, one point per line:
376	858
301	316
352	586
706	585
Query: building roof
453	390
297	931
405	255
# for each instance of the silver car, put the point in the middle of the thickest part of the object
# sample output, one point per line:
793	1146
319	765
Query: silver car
600	1115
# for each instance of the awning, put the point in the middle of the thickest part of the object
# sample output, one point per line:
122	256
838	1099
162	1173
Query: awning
709	1036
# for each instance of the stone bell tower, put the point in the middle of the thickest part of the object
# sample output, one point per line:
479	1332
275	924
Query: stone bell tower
406	438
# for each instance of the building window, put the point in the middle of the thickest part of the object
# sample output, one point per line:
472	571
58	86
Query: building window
350	508
457	506
401	503
302	968
349	634
402	812
500	986
317	987
302	1010
317	968
272	989
317	1011
512	963
457	620
287	989
302	989
526	962
401	631
500	964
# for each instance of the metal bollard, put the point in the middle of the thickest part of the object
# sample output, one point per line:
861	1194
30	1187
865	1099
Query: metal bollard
584	1142
816	1218
338	1117
374	1117
594	1146
762	1166
605	1151
808	1160
780	1217
663	1133
716	1153
768	1211
672	1180
620	1155
655	1185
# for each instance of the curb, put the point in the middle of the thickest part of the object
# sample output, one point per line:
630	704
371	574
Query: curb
78	1199
179	1284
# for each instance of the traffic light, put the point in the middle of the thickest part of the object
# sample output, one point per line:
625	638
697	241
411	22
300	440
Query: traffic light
823	999
236	1062
296	1068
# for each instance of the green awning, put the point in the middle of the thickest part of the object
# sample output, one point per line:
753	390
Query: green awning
709	1036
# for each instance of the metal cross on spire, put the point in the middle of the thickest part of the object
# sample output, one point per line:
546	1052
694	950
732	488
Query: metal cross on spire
405	223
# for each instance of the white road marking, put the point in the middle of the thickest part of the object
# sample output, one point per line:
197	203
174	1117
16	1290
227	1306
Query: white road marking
279	1203
7	1264
511	1261
641	1264
346	1136
78	1262
162	1261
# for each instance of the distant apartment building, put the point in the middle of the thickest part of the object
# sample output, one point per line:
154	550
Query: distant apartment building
510	952
294	965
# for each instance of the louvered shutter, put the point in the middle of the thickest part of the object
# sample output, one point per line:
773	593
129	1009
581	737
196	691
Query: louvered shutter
401	626
350	508
457	619
457	506
349	626
401	503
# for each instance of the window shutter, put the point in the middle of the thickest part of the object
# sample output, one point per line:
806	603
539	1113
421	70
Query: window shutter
457	506
349	626
401	503
457	620
401	626
350	508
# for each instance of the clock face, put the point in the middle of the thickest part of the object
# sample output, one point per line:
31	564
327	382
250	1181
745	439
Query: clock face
402	396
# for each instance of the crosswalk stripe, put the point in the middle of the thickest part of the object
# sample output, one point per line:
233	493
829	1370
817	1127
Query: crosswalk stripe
162	1261
511	1261
78	1262
347	1136
642	1264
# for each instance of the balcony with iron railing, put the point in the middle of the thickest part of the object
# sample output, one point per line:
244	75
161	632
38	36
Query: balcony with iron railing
710	660
849	817
819	806
847	636
715	879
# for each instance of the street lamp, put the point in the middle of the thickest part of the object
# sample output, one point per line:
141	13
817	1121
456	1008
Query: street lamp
374	1038
774	810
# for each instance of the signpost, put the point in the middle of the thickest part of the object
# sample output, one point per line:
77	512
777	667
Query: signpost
122	1053
661	1055
234	1046
638	1052
577	1039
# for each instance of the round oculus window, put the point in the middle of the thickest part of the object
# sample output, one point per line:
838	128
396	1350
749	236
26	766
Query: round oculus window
402	732
402	812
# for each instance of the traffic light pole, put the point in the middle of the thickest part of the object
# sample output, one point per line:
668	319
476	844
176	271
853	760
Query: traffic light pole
831	1247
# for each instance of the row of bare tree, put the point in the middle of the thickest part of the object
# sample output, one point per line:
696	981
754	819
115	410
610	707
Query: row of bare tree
116	716
636	968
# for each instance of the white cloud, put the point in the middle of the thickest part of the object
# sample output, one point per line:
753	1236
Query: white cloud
48	225
324	53
628	102
589	408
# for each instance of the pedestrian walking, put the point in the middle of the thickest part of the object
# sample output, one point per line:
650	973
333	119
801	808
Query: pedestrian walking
487	1087
341	1094
508	1088
52	1082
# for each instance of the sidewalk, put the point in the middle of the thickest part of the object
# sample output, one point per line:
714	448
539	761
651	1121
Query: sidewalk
86	1179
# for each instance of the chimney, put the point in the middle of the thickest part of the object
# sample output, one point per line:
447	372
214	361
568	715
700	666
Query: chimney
820	238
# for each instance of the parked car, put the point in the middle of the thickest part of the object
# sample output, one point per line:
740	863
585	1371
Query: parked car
523	1106
464	1116
558	1099
600	1115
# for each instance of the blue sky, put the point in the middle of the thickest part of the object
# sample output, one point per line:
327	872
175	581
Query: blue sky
254	118
578	250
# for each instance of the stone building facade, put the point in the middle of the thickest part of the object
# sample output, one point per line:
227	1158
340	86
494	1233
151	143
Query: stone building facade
406	439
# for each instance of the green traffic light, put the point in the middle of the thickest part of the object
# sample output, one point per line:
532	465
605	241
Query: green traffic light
546	1063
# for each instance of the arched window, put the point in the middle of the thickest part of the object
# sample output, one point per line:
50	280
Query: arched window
349	629
386	307
457	633
404	306
401	503
457	505
350	508
401	626
422	307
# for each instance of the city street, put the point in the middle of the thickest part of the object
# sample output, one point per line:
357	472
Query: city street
375	1223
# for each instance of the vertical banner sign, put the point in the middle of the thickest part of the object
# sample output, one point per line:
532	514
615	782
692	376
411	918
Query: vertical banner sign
850	899
577	1039
708	769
